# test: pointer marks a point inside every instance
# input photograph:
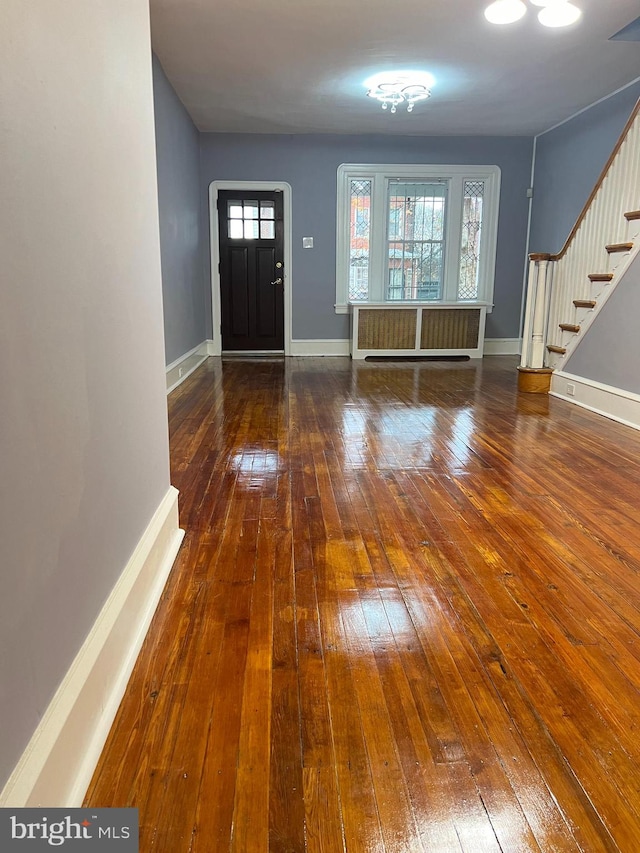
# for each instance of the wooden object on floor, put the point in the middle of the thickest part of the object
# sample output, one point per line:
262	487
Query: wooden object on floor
405	617
534	380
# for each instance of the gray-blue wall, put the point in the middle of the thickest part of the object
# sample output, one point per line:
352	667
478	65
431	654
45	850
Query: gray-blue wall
310	162
181	236
569	160
610	350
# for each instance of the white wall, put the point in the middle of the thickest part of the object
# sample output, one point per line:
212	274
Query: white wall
83	429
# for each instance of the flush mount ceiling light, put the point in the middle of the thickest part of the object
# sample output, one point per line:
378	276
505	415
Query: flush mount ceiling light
505	11
555	13
394	89
559	15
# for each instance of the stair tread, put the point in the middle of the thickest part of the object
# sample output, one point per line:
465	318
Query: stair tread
632	214
618	247
569	327
584	303
600	276
554	348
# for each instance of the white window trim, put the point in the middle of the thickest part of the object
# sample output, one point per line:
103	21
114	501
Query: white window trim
380	174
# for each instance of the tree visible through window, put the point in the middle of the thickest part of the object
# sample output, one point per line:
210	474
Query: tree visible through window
415	239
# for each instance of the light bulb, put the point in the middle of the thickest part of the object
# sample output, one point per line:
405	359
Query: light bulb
505	11
545	2
559	15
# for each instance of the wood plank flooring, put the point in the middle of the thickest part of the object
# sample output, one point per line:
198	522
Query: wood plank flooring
405	617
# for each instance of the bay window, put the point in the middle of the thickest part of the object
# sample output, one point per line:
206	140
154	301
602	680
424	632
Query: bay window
416	233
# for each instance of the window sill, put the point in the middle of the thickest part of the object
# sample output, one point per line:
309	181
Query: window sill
397	303
416	303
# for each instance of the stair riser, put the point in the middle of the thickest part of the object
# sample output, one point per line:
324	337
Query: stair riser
633	227
581	314
617	255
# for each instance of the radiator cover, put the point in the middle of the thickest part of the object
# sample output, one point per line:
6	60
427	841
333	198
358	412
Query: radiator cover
417	329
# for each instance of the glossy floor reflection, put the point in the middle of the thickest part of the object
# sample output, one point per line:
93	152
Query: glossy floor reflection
405	617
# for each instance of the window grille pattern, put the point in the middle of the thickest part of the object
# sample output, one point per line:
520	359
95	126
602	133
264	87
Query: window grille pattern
250	220
415	241
359	239
468	284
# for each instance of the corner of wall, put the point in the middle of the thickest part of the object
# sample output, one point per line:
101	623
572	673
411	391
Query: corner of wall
56	767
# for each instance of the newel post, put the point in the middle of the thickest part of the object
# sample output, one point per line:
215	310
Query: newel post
533	376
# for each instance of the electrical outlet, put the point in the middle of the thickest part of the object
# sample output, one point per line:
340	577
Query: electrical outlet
571	389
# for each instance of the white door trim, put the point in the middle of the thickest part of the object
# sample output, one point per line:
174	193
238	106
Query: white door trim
216	312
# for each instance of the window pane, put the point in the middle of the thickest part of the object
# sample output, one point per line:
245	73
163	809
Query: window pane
234	209
415	271
235	229
267	230
267	210
470	242
428	219
251	210
359	235
416	218
428	271
250	230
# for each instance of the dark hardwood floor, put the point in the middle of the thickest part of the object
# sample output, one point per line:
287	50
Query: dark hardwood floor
405	617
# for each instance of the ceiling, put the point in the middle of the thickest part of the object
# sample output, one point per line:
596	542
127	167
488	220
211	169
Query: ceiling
298	66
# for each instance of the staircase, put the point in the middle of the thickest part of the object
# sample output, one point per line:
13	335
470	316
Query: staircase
566	291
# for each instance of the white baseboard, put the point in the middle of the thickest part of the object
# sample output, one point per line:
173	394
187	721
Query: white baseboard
615	403
184	366
178	370
320	347
57	765
502	346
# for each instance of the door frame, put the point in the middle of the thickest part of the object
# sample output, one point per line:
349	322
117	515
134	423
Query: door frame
214	242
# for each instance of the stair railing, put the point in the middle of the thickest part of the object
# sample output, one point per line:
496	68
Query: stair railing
581	271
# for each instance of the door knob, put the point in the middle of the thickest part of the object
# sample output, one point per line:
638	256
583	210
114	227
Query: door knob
277	281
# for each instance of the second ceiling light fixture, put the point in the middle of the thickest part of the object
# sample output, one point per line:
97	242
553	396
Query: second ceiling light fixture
554	13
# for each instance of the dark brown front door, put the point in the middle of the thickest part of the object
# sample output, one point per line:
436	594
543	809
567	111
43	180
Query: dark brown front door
251	234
